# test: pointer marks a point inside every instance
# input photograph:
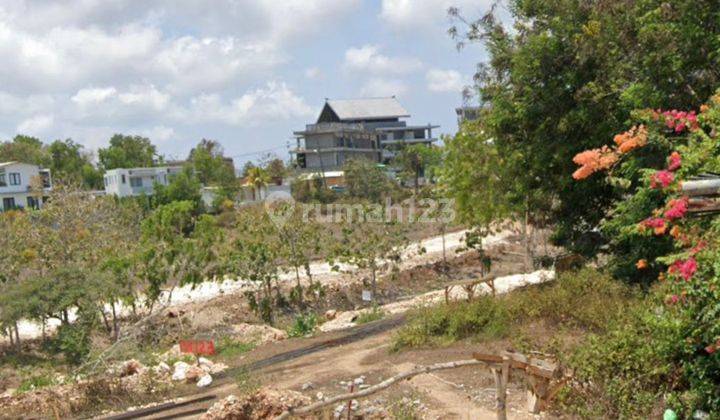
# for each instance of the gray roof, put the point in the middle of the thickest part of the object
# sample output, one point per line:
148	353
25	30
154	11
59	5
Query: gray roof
367	108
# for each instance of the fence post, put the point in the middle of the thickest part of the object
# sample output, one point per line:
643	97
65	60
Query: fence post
502	376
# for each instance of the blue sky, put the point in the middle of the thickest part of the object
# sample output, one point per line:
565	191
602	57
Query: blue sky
245	73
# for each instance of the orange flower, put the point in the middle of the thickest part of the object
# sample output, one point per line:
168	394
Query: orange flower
583	172
588	157
660	230
641	264
704	108
675	232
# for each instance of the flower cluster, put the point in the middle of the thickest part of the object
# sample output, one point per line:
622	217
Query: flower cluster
677	121
677	209
684	268
657	224
591	161
631	139
661	179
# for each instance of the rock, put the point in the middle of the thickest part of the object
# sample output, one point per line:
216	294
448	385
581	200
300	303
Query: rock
194	373
205	361
162	367
359	381
320	396
204	381
217	368
330	314
306	386
264	404
259	333
180	373
131	367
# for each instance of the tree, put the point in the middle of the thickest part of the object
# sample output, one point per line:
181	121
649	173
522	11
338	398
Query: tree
257	179
71	164
247	166
366	180
565	80
183	186
274	167
300	240
25	149
418	160
127	152
367	244
255	255
178	248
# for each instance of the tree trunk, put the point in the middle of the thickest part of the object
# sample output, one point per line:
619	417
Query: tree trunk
442	234
528	242
116	327
374	282
17	336
105	321
9	332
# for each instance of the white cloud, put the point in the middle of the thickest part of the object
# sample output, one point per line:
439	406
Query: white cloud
369	59
272	102
414	14
36	125
137	101
439	80
383	87
158	134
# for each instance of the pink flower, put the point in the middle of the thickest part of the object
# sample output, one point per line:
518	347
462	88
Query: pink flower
674	161
677	209
661	179
686	269
673	299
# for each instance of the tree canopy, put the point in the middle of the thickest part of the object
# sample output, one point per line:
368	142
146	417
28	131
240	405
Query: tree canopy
127	152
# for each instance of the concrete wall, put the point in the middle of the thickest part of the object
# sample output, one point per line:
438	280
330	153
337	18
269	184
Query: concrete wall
19	193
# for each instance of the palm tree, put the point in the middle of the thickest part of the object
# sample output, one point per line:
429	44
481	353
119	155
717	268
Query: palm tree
258	179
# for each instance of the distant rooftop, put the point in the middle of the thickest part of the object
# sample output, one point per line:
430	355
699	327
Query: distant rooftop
362	109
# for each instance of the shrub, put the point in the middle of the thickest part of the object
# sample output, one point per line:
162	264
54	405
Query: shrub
374	314
585	299
303	325
231	348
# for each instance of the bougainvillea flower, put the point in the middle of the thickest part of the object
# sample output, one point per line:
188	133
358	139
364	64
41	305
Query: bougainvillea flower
710	349
661	179
697	248
674	161
675	232
678	208
685	269
641	264
671	300
657	224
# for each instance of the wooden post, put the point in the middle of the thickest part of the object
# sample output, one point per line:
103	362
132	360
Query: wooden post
501	379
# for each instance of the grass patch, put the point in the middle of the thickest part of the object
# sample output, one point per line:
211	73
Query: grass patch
303	325
232	348
246	383
36	382
375	314
586	300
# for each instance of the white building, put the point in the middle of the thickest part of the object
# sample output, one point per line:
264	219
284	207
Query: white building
16	185
127	182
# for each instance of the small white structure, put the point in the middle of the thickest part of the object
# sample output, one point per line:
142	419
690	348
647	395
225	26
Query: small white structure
17	180
130	182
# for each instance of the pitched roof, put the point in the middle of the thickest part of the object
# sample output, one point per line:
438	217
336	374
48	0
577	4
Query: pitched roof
367	108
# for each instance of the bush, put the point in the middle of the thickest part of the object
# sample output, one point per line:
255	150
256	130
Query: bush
585	299
303	325
374	314
231	348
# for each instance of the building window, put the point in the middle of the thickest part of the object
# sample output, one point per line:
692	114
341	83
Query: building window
136	182
123	179
3	180
14	178
33	203
8	203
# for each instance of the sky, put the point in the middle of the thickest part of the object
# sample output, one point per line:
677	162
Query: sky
243	72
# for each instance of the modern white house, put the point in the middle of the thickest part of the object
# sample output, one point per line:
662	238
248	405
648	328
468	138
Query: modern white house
17	181
130	182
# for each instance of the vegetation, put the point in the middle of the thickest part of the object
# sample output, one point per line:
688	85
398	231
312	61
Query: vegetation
585	300
128	152
374	314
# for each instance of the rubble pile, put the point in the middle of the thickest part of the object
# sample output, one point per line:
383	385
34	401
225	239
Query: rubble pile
200	374
263	404
261	334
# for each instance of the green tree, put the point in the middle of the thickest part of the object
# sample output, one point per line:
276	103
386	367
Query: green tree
183	186
70	163
127	152
419	160
25	149
565	80
257	179
366	180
